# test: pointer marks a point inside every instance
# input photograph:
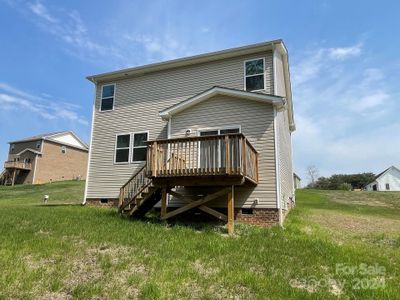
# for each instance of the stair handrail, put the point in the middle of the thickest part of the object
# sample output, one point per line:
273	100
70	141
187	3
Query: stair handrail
140	182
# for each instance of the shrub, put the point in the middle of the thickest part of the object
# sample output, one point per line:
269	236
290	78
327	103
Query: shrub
345	186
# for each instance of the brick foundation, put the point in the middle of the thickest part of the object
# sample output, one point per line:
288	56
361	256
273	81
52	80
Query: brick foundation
111	202
257	216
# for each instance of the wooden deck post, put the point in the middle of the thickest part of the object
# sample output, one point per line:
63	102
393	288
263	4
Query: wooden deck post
231	210
164	202
13	177
121	197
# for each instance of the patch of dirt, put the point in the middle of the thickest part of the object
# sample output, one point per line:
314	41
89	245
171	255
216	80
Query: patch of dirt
43	232
35	264
55	296
356	224
364	198
86	269
307	230
204	270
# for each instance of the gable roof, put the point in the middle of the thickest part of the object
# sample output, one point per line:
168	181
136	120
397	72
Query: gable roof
217	90
186	61
384	172
275	45
51	137
36	137
297	176
30	150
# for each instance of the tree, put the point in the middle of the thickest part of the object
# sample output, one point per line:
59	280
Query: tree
312	173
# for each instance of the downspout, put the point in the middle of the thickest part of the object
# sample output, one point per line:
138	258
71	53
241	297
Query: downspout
90	148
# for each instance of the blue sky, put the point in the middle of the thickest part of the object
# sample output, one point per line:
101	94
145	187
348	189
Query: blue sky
344	58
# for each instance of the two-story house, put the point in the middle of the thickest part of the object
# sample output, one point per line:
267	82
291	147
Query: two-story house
45	158
209	132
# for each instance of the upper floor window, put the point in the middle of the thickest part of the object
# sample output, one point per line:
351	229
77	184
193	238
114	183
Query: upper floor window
107	97
254	74
63	149
122	148
387	187
38	144
140	146
12	147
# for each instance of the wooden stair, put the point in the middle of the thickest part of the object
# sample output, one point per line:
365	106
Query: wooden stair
138	195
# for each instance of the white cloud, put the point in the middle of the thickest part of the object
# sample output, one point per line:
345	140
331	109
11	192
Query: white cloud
12	98
369	101
344	111
345	52
40	10
320	59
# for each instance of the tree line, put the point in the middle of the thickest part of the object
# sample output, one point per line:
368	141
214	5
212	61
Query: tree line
339	181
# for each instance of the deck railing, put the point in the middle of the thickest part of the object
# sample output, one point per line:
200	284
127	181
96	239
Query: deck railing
229	154
133	187
18	165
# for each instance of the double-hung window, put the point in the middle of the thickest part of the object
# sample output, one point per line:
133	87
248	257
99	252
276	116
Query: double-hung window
122	147
139	148
131	147
254	73
107	97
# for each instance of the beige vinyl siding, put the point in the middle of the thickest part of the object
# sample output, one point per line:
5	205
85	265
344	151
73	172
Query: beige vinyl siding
256	121
285	157
284	137
280	81
137	103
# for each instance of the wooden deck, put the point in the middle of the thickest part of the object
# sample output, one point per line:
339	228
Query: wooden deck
17	165
221	160
218	160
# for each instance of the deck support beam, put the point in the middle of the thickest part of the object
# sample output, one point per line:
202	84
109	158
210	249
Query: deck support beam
231	210
203	208
13	177
196	203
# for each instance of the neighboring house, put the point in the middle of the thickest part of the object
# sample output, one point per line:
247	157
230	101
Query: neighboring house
388	180
296	181
45	158
189	128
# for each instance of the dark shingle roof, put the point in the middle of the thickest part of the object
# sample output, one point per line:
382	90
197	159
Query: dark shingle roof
37	137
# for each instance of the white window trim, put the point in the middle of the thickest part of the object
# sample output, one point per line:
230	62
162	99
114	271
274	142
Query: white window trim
101	97
129	148
245	76
133	147
215	129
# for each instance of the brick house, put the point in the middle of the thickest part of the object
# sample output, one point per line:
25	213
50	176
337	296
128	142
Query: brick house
45	158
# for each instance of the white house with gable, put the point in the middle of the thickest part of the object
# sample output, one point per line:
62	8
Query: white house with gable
388	180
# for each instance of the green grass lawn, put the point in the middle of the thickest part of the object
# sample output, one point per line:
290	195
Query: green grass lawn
63	250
